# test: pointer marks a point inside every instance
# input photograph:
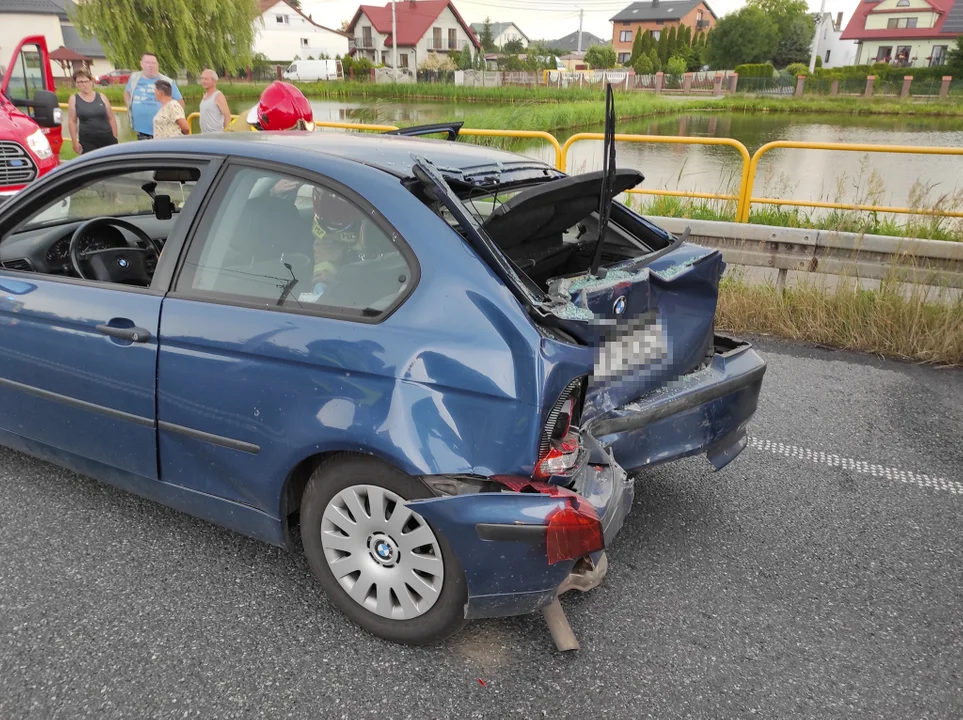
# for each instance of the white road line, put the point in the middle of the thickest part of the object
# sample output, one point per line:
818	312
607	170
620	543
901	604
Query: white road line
860	466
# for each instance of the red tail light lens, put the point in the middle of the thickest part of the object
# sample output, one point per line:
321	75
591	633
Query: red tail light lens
560	459
573	532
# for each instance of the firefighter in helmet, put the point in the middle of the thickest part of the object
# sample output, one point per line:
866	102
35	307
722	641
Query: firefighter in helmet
339	235
280	107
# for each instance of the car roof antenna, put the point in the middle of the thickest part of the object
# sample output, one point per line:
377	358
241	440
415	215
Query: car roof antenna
607	194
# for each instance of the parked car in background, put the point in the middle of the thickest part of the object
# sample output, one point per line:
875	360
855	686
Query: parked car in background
115	77
313	70
388	347
30	118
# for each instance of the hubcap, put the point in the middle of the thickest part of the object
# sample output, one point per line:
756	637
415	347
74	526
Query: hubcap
384	555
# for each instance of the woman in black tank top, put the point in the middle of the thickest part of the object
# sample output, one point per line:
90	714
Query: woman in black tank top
91	121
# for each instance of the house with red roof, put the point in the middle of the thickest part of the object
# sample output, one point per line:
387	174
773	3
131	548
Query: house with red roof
421	27
906	33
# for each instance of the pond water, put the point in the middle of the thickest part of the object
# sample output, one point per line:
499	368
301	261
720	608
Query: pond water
871	178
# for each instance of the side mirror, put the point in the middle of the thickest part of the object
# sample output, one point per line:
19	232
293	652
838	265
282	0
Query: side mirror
163	207
46	109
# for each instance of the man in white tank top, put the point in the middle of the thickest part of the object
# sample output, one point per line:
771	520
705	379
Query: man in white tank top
214	112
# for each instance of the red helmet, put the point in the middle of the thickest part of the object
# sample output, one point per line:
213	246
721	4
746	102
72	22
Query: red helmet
282	107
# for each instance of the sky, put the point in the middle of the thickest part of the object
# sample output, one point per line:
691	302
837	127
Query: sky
540	19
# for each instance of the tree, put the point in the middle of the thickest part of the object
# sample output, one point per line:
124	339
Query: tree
796	28
782	12
671	43
636	47
601	57
465	59
685	36
486	39
676	66
795	43
654	59
643	65
954	60
513	47
747	36
183	34
663	47
646	44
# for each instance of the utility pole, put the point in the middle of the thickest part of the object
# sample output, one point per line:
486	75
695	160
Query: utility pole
581	12
819	25
394	43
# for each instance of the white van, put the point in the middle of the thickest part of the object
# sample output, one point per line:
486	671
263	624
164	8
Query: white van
310	70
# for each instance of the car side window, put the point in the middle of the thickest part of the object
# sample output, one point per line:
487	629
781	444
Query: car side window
119	195
275	240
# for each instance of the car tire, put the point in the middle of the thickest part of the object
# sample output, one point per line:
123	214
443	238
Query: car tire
360	485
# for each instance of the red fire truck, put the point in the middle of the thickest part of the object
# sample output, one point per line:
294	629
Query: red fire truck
30	118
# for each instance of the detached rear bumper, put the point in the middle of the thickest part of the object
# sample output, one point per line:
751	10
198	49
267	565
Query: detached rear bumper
704	412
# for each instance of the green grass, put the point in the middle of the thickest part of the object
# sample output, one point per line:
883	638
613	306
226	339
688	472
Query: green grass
923	226
573	101
894	319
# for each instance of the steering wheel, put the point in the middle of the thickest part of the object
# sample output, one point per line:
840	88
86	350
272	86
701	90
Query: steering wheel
126	265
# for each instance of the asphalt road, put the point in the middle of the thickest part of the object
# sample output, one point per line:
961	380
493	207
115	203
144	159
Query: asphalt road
791	584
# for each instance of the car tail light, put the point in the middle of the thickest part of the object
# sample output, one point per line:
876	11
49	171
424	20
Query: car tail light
573	532
559	448
560	459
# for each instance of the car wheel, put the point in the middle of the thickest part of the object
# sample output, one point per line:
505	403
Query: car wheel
379	562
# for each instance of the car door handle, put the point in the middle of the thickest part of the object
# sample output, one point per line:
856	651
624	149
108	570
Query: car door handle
133	334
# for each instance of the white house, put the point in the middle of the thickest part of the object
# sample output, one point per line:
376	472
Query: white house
423	27
20	18
502	32
283	32
833	51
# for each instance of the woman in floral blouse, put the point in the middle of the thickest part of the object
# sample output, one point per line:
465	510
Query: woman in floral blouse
169	120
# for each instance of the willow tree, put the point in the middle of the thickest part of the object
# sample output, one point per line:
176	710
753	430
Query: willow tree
183	34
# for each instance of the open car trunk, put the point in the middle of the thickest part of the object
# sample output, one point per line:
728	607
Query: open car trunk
650	310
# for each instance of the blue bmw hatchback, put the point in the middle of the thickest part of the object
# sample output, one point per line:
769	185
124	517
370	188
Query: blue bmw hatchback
388	351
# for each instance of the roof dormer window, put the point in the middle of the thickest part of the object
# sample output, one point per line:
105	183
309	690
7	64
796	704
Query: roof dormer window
903	3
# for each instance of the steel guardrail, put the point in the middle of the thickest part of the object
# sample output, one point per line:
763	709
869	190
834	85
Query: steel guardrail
828	252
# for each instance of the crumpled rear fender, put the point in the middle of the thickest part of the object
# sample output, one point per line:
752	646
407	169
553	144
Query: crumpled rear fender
498	566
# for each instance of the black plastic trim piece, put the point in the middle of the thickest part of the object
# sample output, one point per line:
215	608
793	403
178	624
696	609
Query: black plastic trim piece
227	442
80	404
450	128
511	533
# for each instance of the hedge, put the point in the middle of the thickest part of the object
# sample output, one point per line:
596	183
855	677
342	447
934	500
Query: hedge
757	70
884	72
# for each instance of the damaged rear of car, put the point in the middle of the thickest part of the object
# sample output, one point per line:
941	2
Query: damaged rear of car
634	373
663	383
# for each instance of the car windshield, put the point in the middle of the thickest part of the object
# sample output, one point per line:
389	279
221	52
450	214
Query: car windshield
115	196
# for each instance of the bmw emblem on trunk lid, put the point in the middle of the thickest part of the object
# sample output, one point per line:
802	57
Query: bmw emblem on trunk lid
619	306
122	262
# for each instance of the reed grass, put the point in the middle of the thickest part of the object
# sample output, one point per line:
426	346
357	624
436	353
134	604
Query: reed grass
525	96
895	319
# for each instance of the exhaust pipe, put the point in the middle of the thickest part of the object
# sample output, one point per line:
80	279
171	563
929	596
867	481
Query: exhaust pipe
558	626
583	578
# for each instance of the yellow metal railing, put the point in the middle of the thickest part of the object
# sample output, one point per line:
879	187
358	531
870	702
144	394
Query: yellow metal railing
750	164
747	198
472	132
673	140
116	109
